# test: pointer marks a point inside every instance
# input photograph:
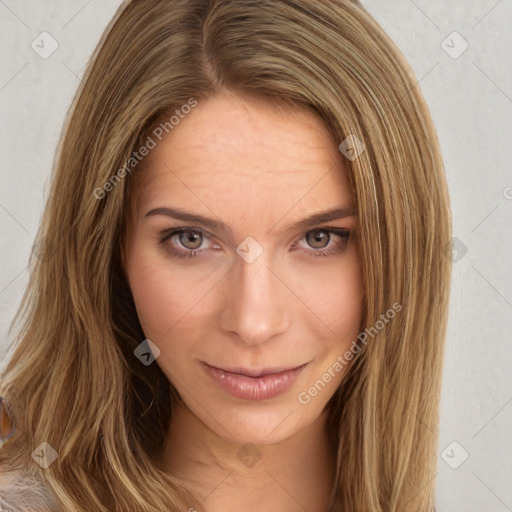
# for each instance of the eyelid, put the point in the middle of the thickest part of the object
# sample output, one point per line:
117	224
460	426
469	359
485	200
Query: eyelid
163	233
168	233
343	234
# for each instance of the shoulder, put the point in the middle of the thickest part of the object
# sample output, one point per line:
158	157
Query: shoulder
20	492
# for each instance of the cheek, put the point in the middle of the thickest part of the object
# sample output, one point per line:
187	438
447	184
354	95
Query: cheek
335	296
173	301
344	307
164	298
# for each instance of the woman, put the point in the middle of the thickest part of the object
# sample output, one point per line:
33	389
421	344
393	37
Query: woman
241	289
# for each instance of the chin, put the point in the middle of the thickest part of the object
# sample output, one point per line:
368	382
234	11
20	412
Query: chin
264	424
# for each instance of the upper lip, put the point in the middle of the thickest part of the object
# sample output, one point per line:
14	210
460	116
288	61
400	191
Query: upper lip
257	372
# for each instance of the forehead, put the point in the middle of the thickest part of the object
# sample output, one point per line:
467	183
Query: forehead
232	154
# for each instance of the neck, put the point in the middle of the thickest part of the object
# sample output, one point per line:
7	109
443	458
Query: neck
295	474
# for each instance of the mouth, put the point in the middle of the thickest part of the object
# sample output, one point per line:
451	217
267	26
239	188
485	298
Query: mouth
258	373
255	384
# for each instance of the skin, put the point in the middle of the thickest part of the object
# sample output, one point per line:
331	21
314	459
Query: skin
258	169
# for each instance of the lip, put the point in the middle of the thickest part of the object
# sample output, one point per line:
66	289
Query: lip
254	384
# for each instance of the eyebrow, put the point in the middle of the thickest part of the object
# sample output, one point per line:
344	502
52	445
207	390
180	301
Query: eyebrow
215	225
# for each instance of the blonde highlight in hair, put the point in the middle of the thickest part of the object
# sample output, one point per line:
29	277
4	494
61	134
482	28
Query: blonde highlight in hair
73	380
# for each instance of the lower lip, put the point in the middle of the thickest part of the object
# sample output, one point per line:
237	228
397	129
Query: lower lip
254	388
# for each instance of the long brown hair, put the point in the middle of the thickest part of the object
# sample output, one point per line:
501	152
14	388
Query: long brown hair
73	380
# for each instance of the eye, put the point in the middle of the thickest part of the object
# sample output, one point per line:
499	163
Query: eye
190	239
186	242
183	242
321	240
318	239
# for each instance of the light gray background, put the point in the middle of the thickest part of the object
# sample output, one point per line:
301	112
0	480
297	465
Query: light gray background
470	98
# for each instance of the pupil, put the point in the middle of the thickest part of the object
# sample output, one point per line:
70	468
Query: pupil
317	238
192	239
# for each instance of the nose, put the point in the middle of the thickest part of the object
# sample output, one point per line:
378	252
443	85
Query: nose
257	302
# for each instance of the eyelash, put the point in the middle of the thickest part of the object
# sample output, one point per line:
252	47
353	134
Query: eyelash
343	234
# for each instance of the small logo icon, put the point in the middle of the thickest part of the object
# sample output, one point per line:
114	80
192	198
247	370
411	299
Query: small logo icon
351	147
44	455
456	249
249	249
147	352
454	455
44	45
507	192
249	455
454	45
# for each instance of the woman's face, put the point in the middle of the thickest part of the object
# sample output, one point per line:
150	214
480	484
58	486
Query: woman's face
248	302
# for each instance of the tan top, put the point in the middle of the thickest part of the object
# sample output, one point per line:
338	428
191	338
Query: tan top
21	493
